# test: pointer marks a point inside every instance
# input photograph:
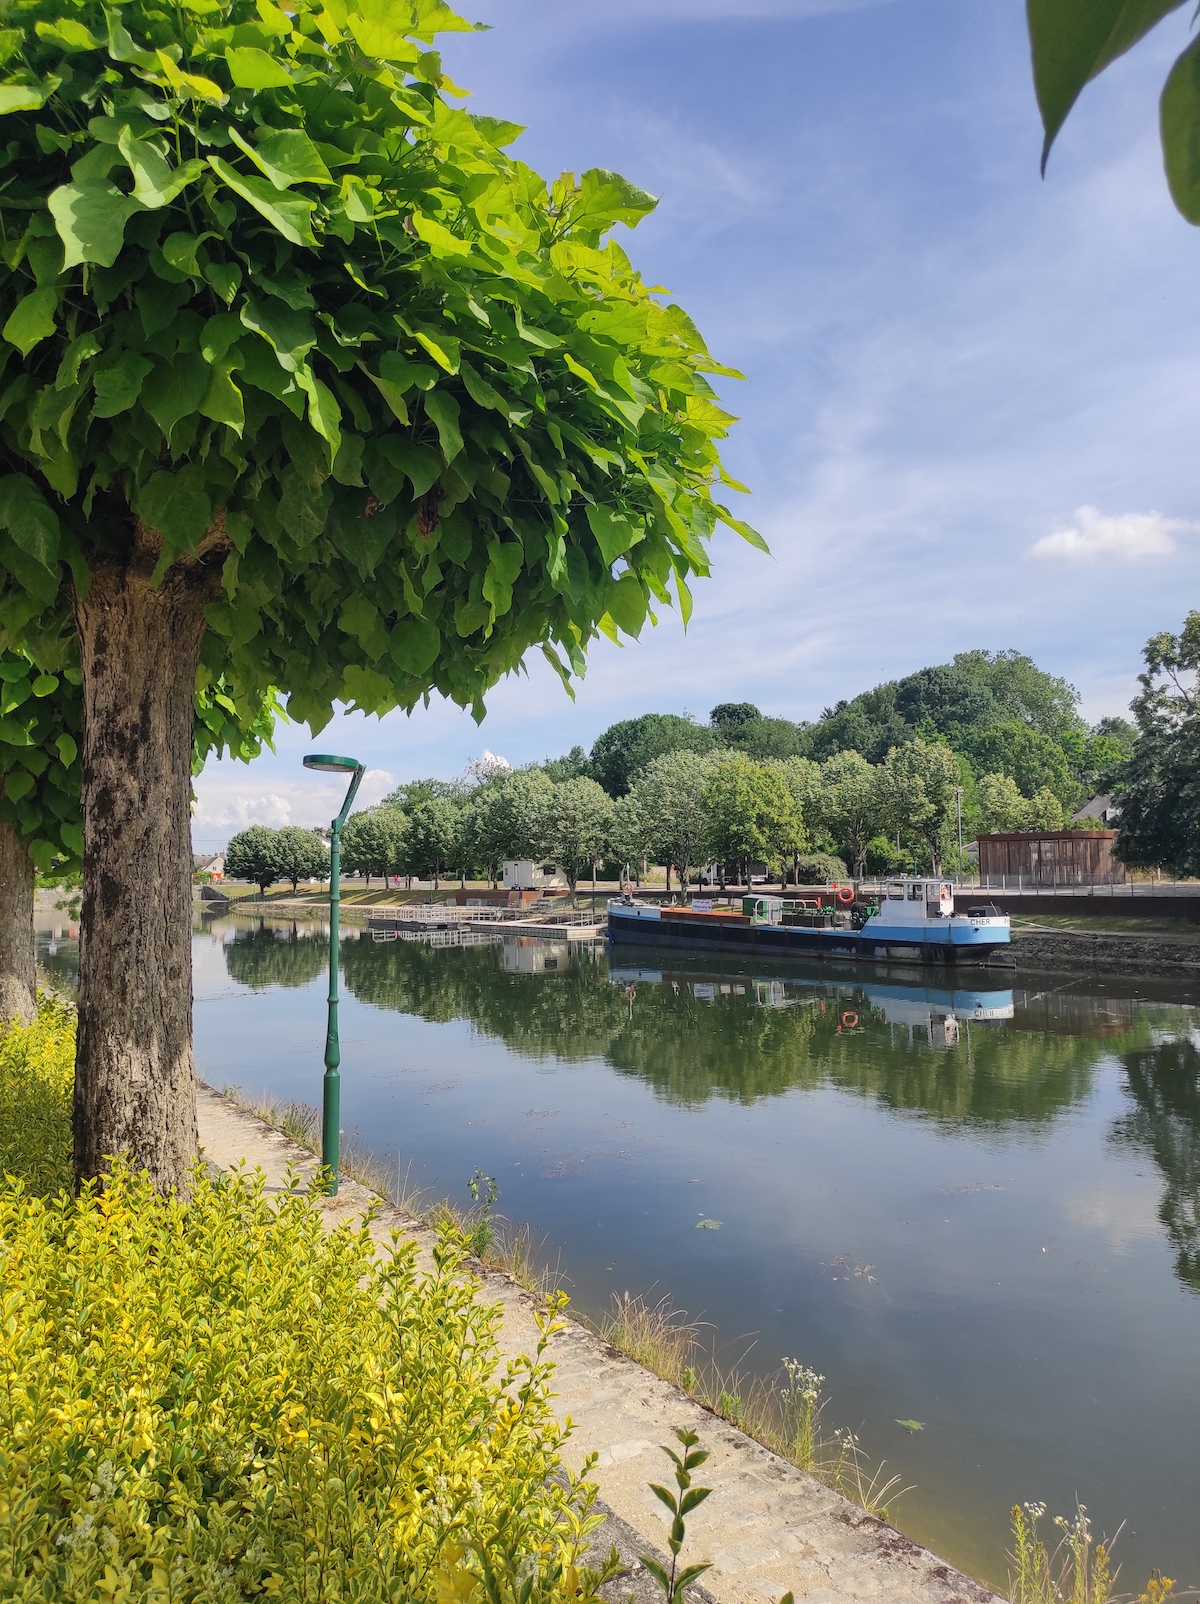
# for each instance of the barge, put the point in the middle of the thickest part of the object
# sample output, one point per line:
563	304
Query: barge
911	921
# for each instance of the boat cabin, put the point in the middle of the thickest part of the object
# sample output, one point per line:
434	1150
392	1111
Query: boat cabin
914	901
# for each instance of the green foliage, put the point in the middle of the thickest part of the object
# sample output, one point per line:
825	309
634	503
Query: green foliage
626	749
577	827
268	293
278	1411
668	811
731	716
37	1073
251	855
506	818
1033	760
1159	790
301	855
848	804
752	814
819	869
265	957
433	840
373	841
676	1581
917	789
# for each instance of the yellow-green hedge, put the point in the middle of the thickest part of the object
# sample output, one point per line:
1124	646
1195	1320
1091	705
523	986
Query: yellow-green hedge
216	1401
37	1073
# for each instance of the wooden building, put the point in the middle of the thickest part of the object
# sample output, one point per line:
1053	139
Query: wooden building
1050	858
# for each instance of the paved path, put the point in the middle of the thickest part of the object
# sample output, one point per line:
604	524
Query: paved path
768	1527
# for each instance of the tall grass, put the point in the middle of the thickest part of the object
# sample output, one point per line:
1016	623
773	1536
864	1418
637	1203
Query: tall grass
783	1412
1077	1571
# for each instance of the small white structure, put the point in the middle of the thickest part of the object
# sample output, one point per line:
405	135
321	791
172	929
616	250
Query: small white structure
526	874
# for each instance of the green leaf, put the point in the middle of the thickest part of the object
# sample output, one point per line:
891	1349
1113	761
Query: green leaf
324	414
443	409
14	733
223	400
28	518
442	243
256	69
615	532
414	645
174	390
45	684
121	46
1074	40
177	505
912	1425
1179	115
17	784
26	97
289	157
421	463
740	527
289	214
291	334
390	393
155	182
90	216
67	33
32	319
627	604
404	375
80	350
376	34
606	197
67	750
118	387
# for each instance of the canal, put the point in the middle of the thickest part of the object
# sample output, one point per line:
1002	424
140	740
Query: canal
976	1210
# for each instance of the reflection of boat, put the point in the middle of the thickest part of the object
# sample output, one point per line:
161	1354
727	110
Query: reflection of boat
912	921
535	957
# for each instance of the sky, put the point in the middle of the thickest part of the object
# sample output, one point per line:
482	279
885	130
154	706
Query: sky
970	398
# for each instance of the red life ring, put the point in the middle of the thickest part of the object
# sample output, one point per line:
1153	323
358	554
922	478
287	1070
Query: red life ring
850	1021
845	895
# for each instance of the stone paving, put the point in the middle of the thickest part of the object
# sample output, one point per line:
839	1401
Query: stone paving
768	1528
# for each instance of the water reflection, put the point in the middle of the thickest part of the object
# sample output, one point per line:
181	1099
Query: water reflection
1164	1082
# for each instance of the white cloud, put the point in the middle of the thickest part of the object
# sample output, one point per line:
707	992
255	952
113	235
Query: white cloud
1124	537
224	804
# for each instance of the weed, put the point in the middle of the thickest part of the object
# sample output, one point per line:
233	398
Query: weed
674	1582
1079	1571
480	1232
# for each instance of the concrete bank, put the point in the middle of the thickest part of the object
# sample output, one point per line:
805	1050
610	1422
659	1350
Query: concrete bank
1106	951
768	1527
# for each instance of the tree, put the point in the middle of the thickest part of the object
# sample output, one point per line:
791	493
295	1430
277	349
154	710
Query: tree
574	766
947	700
766	738
627	749
1001	805
506	818
433	839
252	854
668	803
373	841
300	855
1159	793
1033	760
848	805
752	814
1072	44
236	449
918	786
730	716
577	827
1025	692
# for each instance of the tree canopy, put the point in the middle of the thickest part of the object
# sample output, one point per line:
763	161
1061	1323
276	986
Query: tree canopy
1159	795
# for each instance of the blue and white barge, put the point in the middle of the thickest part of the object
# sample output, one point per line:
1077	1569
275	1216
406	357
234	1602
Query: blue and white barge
911	921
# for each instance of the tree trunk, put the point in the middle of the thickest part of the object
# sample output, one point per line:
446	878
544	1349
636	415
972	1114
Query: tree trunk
18	974
139	648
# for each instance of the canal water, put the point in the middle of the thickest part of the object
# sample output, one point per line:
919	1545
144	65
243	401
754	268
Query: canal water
978	1210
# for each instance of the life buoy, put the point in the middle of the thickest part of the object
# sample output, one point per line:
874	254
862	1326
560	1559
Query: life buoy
845	895
850	1020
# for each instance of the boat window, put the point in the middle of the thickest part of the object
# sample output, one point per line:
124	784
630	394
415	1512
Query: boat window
916	893
895	894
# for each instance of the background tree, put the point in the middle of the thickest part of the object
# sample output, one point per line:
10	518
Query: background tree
849	806
729	717
1023	691
235	450
627	749
1035	761
669	804
300	855
752	815
373	841
506	819
433	838
252	854
1159	794
918	786
1001	807
577	827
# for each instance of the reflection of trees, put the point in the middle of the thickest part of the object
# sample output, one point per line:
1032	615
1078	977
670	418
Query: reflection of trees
266	957
1165	1124
690	1050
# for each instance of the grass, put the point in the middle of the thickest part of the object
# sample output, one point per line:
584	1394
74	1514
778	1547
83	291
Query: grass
783	1412
1101	924
1078	1570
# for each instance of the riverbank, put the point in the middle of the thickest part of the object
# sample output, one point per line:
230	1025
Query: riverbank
768	1528
1105	950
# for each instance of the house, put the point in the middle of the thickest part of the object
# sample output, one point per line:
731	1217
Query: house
1100	807
209	865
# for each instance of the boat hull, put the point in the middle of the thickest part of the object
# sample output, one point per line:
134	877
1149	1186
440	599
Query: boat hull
788	941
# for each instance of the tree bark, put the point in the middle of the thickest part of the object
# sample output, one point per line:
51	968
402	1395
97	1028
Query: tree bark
18	972
139	647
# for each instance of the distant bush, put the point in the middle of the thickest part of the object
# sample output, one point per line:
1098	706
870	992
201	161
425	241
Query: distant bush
37	1074
217	1400
820	869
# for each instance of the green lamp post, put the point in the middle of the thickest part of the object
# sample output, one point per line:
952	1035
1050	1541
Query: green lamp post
331	1089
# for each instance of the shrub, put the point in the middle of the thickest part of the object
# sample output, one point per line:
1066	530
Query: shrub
218	1400
37	1073
820	869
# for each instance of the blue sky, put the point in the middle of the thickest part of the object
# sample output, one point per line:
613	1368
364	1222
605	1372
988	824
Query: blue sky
972	395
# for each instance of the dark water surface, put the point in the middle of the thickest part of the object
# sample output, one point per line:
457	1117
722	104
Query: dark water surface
997	1236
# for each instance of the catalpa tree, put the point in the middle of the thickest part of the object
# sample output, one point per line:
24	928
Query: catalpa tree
307	384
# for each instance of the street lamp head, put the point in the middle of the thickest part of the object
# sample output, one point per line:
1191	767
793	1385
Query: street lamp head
328	764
